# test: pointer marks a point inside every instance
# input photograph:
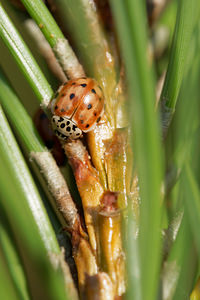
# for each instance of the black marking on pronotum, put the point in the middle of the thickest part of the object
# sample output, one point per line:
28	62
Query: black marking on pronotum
89	106
74	127
62	125
61	119
68	122
72	96
53	120
83	84
58	133
93	91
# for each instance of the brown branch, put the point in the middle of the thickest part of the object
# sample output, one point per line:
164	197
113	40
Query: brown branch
88	184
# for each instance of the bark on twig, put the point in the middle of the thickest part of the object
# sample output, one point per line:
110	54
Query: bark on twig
88	184
67	59
57	187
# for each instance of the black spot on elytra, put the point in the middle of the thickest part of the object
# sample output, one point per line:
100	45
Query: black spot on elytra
61	119
62	110
89	106
77	134
82	121
62	125
87	126
74	127
93	91
83	84
68	122
99	118
68	129
72	96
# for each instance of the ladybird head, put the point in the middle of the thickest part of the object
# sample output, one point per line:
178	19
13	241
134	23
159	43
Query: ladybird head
64	128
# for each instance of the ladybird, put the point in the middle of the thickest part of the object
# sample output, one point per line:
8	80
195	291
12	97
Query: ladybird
77	107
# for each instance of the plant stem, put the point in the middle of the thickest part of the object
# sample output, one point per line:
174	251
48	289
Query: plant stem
13	262
24	59
191	198
28	216
186	20
43	162
180	269
8	290
55	37
129	17
39	12
9	151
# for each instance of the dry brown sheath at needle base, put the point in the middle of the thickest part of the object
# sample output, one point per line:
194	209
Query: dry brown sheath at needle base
84	258
96	143
99	287
118	165
135	198
111	254
88	184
